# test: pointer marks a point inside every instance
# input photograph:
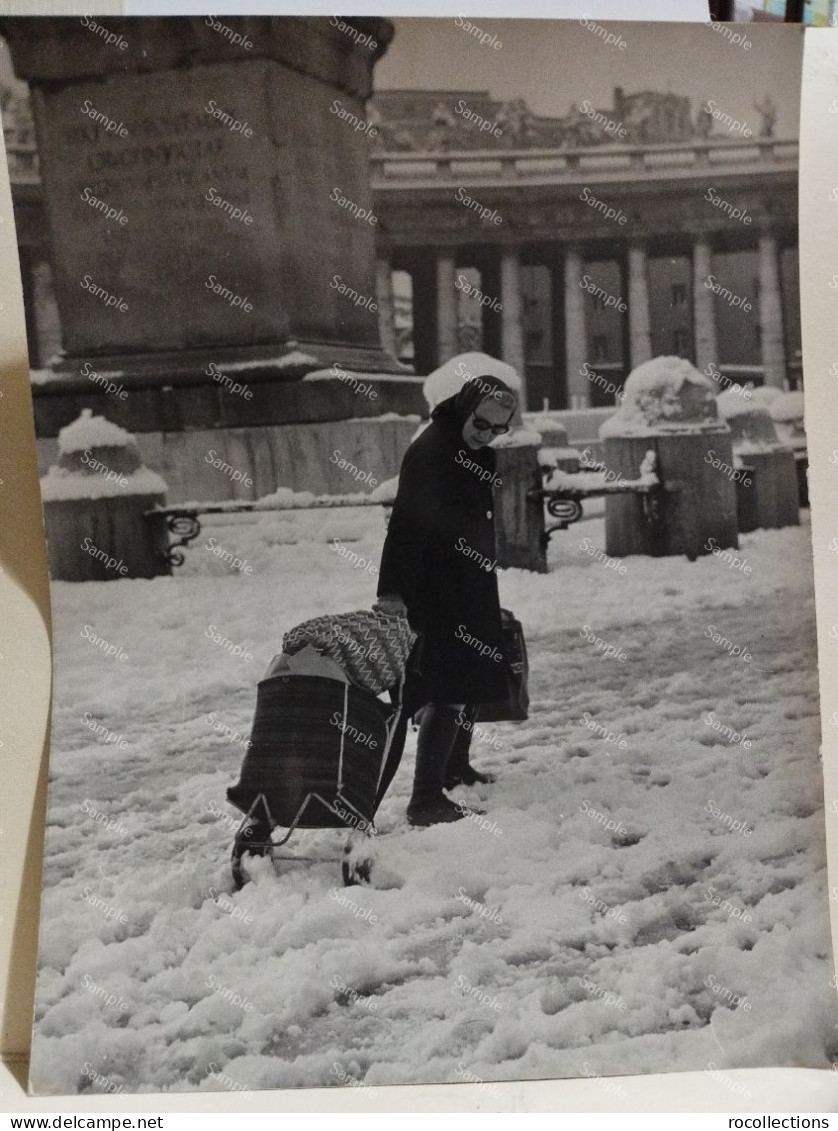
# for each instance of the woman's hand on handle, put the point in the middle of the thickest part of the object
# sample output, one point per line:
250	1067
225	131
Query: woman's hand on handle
392	605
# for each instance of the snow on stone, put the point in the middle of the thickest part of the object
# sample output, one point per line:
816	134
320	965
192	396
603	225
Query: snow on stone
386	492
89	431
517	438
284	942
61	484
448	379
787	407
666	394
763	394
750	423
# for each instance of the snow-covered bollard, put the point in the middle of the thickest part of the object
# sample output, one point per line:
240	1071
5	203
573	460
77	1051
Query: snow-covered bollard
767	498
94	501
670	408
787	413
556	451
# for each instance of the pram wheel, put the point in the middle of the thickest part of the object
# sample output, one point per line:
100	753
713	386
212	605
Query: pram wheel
358	860
253	836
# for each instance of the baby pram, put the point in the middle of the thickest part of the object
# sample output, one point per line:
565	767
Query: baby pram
324	747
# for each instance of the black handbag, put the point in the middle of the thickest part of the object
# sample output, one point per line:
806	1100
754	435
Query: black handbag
515	707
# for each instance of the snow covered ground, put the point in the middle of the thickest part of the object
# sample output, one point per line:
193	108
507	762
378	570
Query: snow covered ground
608	920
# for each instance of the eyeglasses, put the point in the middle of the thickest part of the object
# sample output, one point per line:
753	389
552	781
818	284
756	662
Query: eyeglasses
484	426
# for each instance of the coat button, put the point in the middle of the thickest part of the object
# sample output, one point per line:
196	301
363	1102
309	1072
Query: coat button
488	514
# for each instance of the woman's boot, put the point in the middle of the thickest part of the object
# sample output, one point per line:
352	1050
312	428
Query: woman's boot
437	732
460	771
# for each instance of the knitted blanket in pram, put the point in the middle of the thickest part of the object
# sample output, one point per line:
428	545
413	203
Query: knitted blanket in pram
371	646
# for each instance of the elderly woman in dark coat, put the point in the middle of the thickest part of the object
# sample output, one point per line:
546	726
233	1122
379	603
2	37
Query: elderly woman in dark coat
438	567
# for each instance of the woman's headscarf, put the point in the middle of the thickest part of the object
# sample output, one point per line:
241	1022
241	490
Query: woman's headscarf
474	391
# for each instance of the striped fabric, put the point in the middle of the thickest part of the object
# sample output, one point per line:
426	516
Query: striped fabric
370	646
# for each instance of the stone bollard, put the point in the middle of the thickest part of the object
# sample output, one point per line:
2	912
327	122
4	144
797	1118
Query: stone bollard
669	407
94	501
787	413
767	497
519	520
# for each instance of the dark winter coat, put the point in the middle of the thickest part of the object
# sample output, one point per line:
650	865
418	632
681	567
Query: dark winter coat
439	557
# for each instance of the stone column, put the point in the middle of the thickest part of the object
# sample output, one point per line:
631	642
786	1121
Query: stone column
704	310
576	339
512	322
446	307
771	313
640	337
386	311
